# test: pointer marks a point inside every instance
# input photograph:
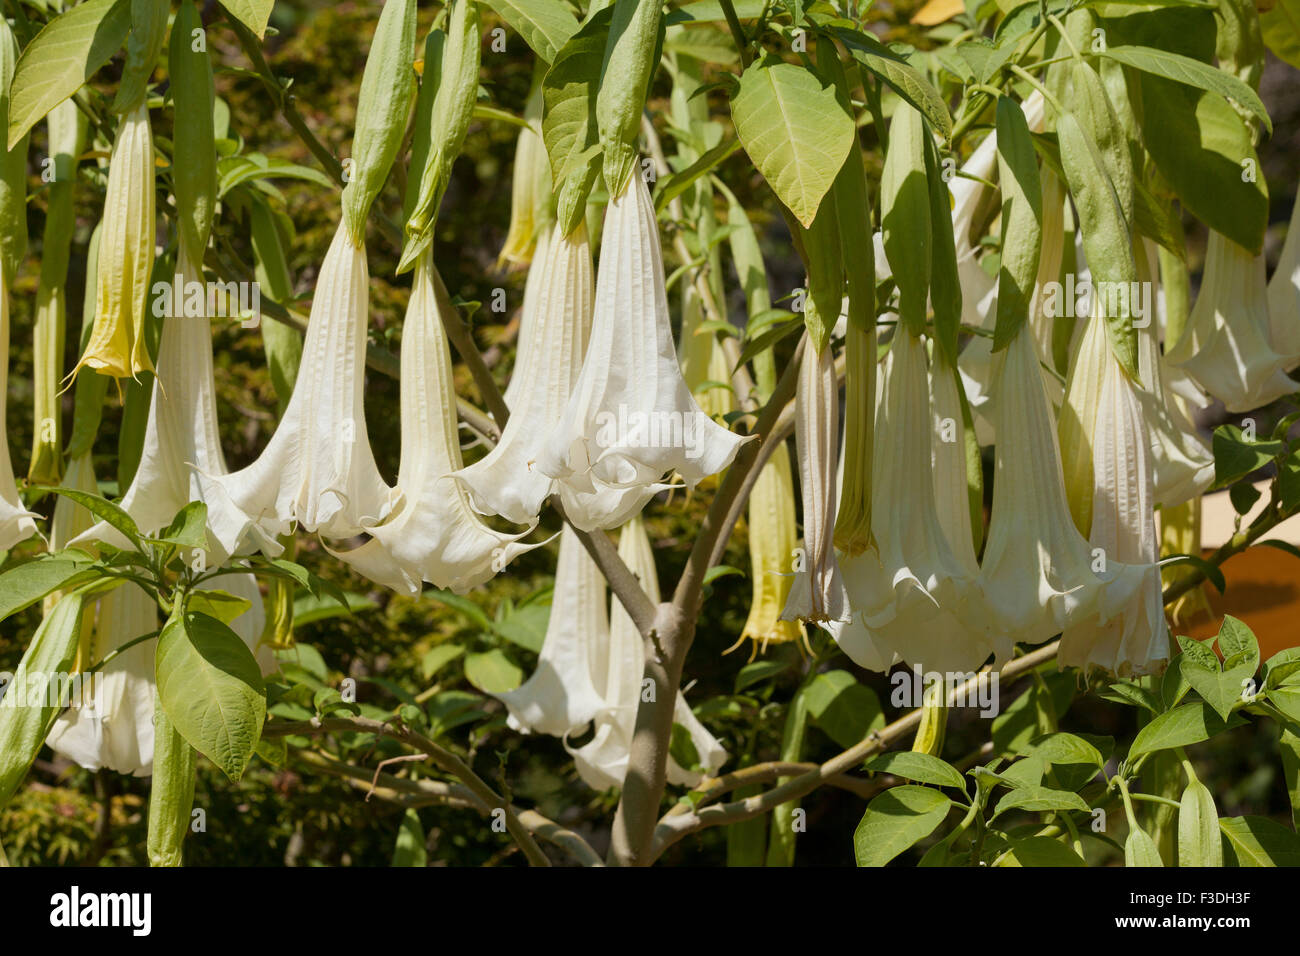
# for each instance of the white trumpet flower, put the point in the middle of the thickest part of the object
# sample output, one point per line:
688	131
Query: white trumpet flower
434	535
182	442
561	696
507	481
631	418
318	470
16	522
113	728
1284	295
818	591
529	318
1225	346
1181	460
1129	635
1036	571
602	761
915	596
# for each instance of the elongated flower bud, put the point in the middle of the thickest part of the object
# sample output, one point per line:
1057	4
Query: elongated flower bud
194	173
126	251
171	793
561	695
67	131
631	419
625	80
1225	346
383	106
530	189
433	535
818	590
13	169
773	537
148	28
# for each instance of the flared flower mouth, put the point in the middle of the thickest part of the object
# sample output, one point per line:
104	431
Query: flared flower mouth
631	419
434	535
318	471
1225	346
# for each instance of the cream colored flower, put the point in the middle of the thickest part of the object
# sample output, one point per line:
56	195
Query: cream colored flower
318	470
530	189
529	319
631	419
1284	295
818	591
1225	346
434	535
16	522
773	536
126	252
602	761
508	481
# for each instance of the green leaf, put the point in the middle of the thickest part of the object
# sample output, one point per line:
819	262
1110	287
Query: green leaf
211	689
1202	149
920	767
234	171
1039	851
1200	665
24	723
1289	744
1040	799
24	584
759	671
254	14
795	131
1280	27
901	77
1236	455
1257	841
1211	571
222	605
189	529
310	608
676	184
62	57
1282	668
492	672
1022	221
462	604
439	657
1186	724
1063	748
409	850
109	512
525	626
1140	850
845	710
545	25
895	820
1190	72
1199	843
1125	692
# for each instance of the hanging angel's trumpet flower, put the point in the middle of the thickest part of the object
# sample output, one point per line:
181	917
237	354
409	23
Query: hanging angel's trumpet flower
434	535
529	320
318	469
1181	460
602	762
1284	295
530	189
773	537
16	522
117	344
561	696
817	593
631	418
508	481
1129	635
1225	346
915	596
1036	569
182	443
113	729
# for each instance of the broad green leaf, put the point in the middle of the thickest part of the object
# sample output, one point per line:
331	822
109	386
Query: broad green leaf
254	14
211	689
26	715
24	584
1257	841
1282	668
1040	799
569	121
222	605
462	604
673	186
525	626
1199	843
1140	850
1063	748
1220	688
310	608
895	820
1204	152
1281	29
902	78
1186	724
758	671
109	512
189	529
920	767
545	25
1039	851
1236	455
439	657
843	709
1185	70
492	672
234	171
62	57
795	131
